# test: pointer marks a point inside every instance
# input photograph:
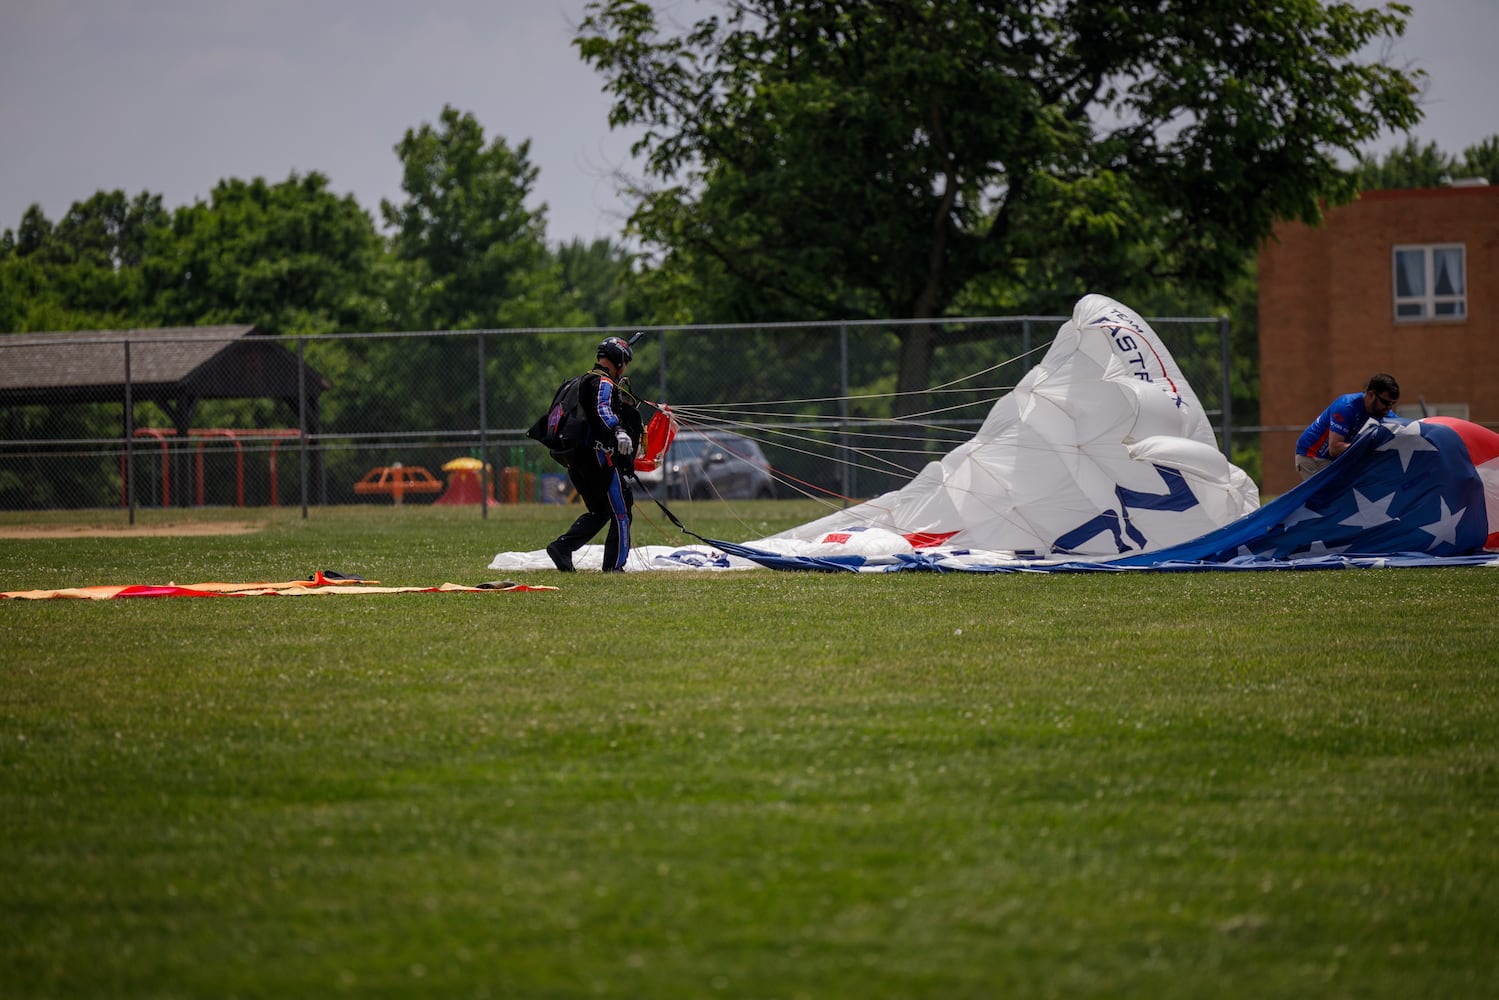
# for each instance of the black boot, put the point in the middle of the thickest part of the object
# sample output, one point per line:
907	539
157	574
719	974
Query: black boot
561	558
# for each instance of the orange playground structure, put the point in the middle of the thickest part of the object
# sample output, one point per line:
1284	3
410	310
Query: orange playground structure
463	483
396	481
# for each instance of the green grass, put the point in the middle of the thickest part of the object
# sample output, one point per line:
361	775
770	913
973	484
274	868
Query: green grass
744	784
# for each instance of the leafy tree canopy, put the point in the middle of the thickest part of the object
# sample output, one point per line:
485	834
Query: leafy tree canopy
856	159
82	273
597	278
473	254
291	257
1413	165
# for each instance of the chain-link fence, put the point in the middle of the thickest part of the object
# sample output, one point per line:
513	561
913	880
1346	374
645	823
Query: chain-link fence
227	417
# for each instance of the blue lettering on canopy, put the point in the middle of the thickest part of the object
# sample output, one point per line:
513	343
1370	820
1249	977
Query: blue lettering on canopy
1178	497
1125	344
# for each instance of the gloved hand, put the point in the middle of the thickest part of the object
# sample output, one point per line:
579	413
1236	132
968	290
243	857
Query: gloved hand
622	443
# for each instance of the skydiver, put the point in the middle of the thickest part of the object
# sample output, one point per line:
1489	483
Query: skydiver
600	465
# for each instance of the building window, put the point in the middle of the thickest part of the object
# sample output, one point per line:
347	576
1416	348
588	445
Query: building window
1431	282
1458	410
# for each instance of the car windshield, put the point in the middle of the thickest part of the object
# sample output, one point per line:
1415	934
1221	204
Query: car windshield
688	449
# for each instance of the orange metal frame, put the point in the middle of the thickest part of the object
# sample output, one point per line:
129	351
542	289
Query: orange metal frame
235	435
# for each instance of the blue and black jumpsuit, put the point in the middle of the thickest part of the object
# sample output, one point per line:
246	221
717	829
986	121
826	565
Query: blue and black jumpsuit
596	474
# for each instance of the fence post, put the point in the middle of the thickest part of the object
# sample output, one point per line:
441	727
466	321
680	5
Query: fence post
483	441
302	418
1228	406
129	438
846	474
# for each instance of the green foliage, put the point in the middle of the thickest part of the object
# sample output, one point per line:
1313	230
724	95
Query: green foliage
52	477
849	159
1413	165
1409	166
85	272
472	254
290	258
293	257
774	785
597	283
1481	160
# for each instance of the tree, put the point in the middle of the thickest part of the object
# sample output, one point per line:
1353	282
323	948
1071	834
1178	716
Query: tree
849	159
1482	160
469	255
291	257
596	282
474	254
1409	166
1413	165
82	273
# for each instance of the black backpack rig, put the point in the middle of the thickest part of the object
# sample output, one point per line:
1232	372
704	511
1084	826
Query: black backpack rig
563	429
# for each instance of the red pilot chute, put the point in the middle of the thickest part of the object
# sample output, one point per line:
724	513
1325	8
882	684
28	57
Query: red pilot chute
659	434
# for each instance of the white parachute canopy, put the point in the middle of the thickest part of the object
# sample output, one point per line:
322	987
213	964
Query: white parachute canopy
1102	449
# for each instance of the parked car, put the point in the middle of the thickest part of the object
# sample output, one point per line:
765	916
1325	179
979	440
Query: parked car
712	465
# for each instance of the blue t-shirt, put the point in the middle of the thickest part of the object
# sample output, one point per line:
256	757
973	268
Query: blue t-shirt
1344	416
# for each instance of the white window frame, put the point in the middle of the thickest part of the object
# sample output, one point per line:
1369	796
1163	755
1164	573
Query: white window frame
1428	306
1458	410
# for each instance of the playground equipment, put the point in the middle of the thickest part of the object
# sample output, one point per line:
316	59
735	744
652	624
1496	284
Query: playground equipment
463	483
235	435
396	481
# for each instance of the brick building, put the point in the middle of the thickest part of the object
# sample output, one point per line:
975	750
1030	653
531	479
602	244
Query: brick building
1400	281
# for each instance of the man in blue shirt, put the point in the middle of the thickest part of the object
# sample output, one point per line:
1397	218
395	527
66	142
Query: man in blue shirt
1335	427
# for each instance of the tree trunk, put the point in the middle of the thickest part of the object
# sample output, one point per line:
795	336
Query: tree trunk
914	377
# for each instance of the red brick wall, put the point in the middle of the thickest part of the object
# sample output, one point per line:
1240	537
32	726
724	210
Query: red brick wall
1326	312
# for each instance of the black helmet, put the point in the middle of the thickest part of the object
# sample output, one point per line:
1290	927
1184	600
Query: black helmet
617	351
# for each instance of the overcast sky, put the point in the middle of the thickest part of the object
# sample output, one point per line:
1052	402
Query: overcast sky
170	96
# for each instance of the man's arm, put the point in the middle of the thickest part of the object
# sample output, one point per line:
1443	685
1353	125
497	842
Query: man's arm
1342	424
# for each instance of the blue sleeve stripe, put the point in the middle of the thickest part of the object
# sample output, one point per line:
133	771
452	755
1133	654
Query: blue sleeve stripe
606	404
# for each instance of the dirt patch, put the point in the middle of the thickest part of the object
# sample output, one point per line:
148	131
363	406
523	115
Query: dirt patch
164	530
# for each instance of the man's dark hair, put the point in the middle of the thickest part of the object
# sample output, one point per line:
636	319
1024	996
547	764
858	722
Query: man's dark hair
1384	384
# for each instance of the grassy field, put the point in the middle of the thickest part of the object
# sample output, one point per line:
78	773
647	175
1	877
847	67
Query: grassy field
742	784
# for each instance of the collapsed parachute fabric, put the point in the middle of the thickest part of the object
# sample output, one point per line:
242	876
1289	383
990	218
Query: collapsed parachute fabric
1101	449
1405	493
1418	493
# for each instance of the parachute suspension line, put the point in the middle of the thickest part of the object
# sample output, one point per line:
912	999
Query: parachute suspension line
977	394
765	405
655	525
784	478
818	432
873	460
825	497
757	420
946	386
820	494
708	416
810	491
877	463
876	460
991	368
